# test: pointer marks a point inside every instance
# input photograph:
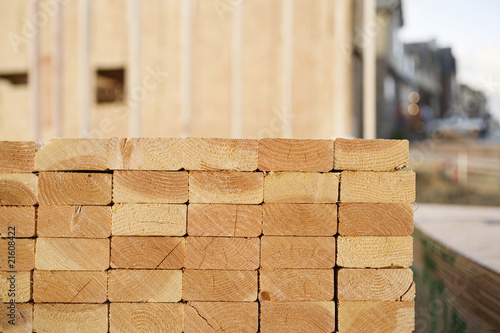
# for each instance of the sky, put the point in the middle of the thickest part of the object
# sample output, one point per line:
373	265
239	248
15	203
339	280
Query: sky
471	28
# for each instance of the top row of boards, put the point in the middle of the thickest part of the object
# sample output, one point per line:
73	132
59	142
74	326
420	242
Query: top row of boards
307	155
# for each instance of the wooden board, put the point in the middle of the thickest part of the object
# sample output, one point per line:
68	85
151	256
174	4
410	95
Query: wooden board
74	188
150	187
375	219
217	285
371	155
301	187
221	317
394	284
149	220
69	286
64	318
16	286
287	285
222	253
225	187
19	256
377	187
220	154
148	252
289	219
21	313
374	252
74	221
20	221
146	317
127	285
297	252
72	254
224	220
297	317
295	155
17	156
18	189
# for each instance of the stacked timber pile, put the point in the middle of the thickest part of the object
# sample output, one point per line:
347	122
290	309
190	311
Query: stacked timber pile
203	235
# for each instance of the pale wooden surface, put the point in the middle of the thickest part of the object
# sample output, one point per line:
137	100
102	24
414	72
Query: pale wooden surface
301	187
18	189
21	218
64	318
224	220
371	155
24	254
290	219
17	156
24	318
146	317
297	252
295	155
22	287
221	317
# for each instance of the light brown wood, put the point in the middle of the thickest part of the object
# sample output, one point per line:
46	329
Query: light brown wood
371	155
216	285
295	155
367	316
73	155
377	187
16	286
74	221
149	220
64	318
18	189
22	314
17	156
148	252
72	254
224	220
74	188
374	252
222	253
146	317
221	317
145	154
286	285
19	256
221	154
289	219
150	187
126	285
225	187
375	219
297	252
358	284
69	286
20	221
297	317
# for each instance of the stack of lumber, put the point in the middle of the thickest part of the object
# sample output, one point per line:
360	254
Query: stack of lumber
207	235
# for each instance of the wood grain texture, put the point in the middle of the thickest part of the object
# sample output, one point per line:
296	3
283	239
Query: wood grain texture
374	252
69	286
295	155
17	156
371	155
224	220
64	318
221	317
22	219
301	187
150	187
23	251
18	189
221	154
375	219
217	285
287	285
377	187
289	219
72	254
74	188
126	285
74	221
367	316
225	187
358	284
297	317
297	252
148	252
15	286
23	316
73	155
146	317
222	253
149	219
146	154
